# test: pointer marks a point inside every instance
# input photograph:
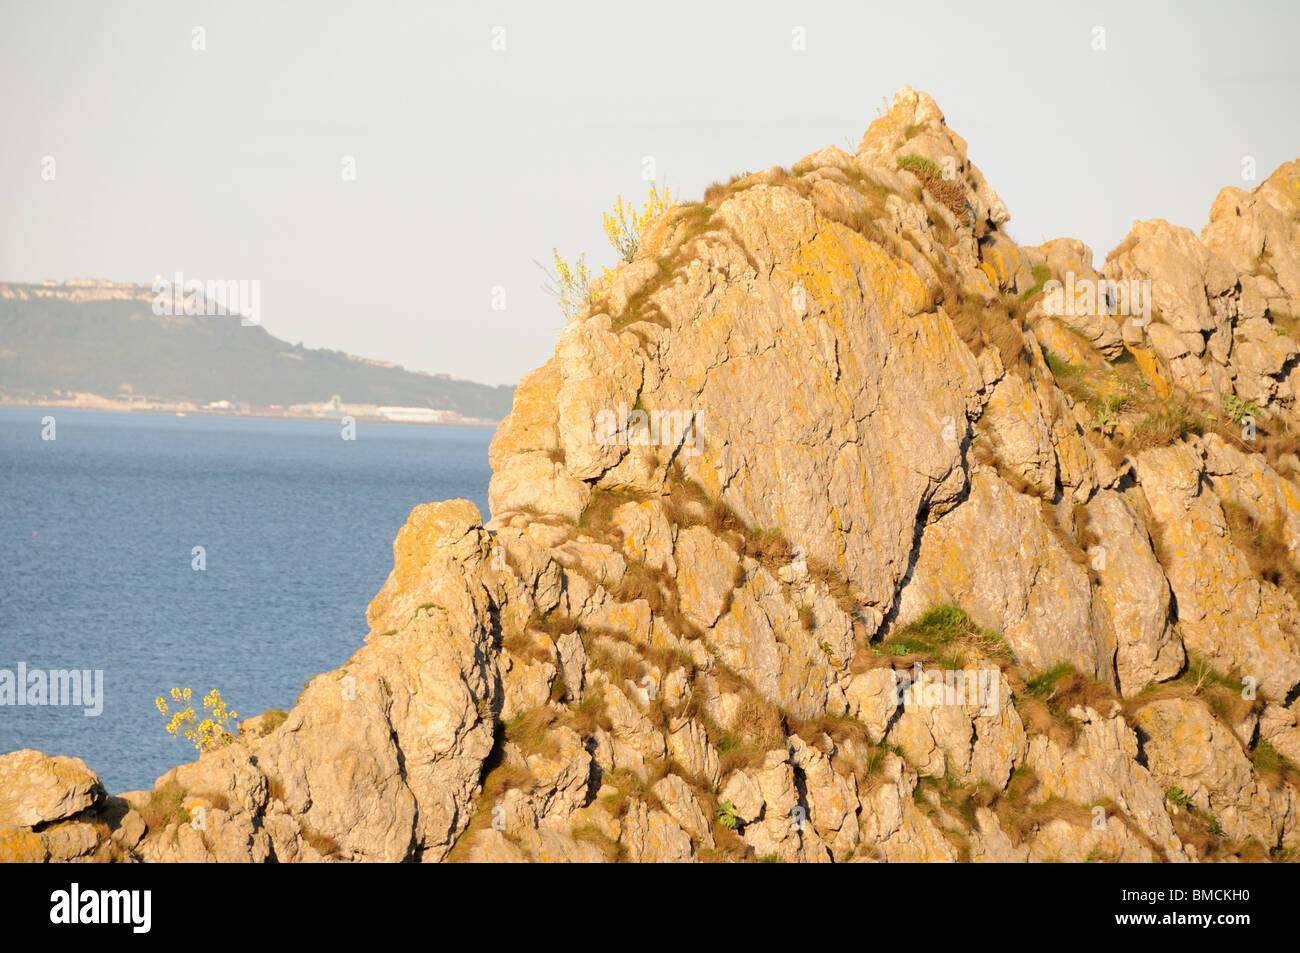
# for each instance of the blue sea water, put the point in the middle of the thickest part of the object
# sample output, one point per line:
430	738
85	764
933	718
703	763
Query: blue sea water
97	532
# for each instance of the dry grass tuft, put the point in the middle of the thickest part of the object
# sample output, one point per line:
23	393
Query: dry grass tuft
531	731
1273	767
164	807
1265	548
588	715
947	192
322	843
996	322
1045	700
946	635
759	727
271	720
591	834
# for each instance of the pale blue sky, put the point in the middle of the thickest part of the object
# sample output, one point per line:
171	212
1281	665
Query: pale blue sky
472	163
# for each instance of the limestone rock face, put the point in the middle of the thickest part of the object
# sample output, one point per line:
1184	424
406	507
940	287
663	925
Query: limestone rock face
972	742
706	574
914	124
1193	750
762	635
1063	842
1222	302
36	789
1184	275
1023	436
1103	764
1134	593
1225	612
1250	229
872	698
647	535
1279	726
895	828
822	429
995	556
854	509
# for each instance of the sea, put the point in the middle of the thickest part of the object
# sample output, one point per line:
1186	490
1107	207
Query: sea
155	551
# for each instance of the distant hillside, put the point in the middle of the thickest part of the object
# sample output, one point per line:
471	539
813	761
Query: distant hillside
105	342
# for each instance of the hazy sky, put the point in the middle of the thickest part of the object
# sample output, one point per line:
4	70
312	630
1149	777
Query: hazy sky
227	162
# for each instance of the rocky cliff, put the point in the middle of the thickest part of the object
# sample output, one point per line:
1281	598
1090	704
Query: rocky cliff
839	527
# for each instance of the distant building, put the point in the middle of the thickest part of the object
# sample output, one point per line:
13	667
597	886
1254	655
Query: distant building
414	415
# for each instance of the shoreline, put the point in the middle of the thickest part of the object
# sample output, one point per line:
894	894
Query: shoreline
186	409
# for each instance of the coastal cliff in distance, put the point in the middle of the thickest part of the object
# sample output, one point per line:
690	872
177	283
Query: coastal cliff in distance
101	344
907	543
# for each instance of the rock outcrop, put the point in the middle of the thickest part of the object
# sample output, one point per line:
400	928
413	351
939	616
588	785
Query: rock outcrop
827	534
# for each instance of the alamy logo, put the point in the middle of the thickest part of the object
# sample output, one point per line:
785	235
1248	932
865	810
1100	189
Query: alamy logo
236	296
76	688
74	905
975	687
1086	297
646	428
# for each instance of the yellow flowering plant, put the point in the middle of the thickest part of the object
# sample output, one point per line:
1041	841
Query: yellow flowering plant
624	225
570	284
206	735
